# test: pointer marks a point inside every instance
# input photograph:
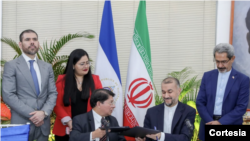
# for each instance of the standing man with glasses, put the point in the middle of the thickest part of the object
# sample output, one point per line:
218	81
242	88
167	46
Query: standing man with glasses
29	88
86	127
224	92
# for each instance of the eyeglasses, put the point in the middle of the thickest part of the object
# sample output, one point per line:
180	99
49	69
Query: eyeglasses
110	103
88	63
222	62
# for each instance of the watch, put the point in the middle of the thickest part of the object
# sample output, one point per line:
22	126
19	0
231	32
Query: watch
45	113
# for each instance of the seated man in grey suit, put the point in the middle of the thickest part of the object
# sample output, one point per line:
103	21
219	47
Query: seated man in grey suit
86	127
29	88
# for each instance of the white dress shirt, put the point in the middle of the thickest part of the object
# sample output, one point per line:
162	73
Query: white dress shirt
26	58
168	119
220	91
97	121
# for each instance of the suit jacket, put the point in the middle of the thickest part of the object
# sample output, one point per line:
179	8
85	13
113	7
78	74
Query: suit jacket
179	129
235	99
63	111
83	124
20	94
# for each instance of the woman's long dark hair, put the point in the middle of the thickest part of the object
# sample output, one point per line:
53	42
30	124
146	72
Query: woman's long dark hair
70	80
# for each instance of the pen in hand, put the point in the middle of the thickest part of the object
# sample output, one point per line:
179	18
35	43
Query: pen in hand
156	136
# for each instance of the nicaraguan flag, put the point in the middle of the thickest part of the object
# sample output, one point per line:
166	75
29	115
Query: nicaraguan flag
107	66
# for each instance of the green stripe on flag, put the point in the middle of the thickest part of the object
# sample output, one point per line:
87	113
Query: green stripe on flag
141	37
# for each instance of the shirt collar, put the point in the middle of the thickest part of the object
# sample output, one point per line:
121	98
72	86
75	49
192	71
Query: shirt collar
225	74
26	58
171	108
96	116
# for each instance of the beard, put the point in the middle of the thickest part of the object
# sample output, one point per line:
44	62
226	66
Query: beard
171	102
222	70
31	51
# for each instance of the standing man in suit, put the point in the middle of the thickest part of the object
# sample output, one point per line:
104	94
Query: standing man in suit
29	88
224	92
86	127
174	119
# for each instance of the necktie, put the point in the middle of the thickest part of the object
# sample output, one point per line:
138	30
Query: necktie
104	138
34	76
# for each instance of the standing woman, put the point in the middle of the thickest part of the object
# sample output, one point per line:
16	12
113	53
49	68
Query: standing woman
74	89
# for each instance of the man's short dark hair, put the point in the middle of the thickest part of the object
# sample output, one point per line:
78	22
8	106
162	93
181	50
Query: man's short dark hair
170	79
26	31
100	95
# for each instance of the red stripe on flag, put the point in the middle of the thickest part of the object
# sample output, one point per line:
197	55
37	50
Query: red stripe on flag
129	120
137	80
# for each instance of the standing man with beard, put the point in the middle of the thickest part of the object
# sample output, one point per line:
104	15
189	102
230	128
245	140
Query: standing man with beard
29	88
174	119
224	92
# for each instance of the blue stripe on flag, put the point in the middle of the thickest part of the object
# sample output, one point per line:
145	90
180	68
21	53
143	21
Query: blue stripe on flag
107	38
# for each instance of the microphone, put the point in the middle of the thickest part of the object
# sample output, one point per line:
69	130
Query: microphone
189	125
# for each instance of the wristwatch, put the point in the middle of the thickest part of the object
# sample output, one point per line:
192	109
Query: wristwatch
45	113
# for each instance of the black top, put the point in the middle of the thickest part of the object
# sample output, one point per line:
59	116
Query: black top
80	106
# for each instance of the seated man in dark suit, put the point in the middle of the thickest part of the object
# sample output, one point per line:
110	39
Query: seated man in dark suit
172	117
86	127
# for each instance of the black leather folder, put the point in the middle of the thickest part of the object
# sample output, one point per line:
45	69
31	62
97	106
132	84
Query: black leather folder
119	129
139	132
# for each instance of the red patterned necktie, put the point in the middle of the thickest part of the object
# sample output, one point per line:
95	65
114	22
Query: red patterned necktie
104	138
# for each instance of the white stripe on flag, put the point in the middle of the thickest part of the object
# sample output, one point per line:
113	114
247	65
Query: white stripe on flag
110	80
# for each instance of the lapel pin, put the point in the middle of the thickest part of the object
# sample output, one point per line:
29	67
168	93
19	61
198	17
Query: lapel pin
233	77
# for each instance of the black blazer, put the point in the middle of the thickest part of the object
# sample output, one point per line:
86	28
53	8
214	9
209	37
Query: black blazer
179	129
84	124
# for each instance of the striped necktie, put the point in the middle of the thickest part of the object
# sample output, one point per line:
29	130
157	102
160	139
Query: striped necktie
104	138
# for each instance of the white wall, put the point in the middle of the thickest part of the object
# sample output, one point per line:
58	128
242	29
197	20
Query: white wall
223	21
182	33
222	24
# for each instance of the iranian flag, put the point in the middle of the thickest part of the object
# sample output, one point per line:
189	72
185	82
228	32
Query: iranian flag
139	93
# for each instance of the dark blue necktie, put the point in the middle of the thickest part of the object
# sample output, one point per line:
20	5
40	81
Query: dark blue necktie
34	76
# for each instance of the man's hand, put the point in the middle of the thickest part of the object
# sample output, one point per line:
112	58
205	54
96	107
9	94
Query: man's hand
140	139
69	123
39	124
215	122
98	133
37	116
153	136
